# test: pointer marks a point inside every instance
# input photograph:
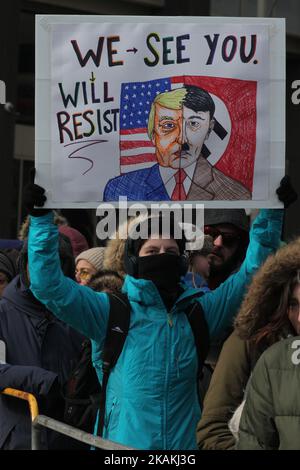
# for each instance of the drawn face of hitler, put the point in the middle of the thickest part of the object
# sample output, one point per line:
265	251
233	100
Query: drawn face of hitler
196	128
167	136
179	135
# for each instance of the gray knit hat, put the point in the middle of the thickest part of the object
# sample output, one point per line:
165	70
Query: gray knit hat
95	256
236	217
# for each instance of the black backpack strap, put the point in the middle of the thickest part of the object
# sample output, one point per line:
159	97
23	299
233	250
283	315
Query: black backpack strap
117	330
198	323
196	317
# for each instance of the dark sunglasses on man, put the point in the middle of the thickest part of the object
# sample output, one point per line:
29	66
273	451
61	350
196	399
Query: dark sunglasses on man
228	239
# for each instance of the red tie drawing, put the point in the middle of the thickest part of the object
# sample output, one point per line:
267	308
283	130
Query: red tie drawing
179	193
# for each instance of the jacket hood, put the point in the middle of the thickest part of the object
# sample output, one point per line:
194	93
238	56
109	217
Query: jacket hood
58	219
114	256
18	294
115	248
264	292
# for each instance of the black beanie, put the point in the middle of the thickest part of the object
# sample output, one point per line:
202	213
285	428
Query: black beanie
139	242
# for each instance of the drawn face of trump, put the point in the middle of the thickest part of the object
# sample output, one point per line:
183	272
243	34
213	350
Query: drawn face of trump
178	134
167	135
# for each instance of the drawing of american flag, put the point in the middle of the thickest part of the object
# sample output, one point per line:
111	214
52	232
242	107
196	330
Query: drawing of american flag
136	97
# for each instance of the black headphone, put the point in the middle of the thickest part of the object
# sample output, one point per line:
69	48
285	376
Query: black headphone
184	264
131	260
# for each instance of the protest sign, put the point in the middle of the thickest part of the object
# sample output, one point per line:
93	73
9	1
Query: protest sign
158	109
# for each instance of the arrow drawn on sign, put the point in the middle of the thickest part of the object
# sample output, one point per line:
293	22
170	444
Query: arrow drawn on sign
89	143
134	49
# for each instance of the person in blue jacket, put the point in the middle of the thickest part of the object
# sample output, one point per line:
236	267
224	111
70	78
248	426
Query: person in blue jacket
152	400
199	265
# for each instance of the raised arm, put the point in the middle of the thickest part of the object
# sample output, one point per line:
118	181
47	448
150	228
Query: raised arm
79	306
221	305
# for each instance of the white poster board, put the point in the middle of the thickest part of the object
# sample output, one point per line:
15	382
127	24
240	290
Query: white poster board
97	77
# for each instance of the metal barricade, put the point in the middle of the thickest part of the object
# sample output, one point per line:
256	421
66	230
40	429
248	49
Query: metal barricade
38	421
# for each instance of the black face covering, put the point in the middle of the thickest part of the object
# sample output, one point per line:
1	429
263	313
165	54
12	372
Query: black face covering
164	271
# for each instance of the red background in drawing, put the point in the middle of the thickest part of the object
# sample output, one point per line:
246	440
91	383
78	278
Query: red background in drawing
239	96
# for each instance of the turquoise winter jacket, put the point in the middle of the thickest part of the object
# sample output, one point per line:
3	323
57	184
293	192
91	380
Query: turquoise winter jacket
152	398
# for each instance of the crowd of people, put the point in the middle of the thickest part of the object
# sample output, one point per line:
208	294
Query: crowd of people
244	284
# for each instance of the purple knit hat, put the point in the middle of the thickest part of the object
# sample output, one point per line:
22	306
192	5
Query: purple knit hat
78	241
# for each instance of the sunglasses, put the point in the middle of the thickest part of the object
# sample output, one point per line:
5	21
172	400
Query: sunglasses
229	239
83	275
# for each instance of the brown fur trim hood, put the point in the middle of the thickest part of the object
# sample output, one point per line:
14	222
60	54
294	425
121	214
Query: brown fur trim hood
24	229
114	256
265	291
115	247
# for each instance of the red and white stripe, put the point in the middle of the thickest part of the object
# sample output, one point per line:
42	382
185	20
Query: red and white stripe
136	149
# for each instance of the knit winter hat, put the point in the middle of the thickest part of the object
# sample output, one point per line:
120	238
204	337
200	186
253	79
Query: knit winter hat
95	256
236	217
78	241
147	224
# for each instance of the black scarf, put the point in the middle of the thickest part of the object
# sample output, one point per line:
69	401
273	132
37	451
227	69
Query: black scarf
164	271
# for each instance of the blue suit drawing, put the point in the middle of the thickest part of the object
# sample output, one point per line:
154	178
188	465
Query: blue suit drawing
147	185
139	185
